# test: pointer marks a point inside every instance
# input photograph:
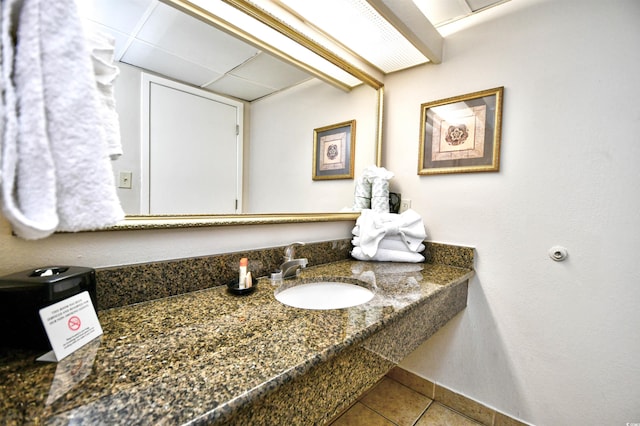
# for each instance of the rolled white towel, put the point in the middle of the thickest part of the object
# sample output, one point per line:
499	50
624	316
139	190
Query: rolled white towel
362	194
380	195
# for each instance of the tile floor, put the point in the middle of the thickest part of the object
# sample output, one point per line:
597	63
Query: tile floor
391	403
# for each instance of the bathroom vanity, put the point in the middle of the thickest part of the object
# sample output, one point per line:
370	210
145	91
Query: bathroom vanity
211	357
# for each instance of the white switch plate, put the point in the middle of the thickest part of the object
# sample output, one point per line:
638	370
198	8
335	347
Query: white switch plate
405	204
124	180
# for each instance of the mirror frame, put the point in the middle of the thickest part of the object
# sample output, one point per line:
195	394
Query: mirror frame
192	221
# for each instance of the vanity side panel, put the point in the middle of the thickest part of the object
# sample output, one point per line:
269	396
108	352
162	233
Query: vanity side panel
406	333
320	394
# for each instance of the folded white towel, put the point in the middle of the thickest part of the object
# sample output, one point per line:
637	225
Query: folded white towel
56	170
372	227
391	242
383	255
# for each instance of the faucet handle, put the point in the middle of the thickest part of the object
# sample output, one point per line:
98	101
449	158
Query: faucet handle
290	251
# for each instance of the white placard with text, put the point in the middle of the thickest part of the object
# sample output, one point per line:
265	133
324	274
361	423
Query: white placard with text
70	324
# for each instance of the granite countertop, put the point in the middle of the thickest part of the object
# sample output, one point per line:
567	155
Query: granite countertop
199	356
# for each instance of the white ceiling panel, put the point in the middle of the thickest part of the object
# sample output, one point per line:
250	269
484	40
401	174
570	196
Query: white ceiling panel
239	88
268	71
121	15
194	40
142	55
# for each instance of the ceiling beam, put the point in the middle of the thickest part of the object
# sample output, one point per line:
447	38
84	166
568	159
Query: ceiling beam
411	22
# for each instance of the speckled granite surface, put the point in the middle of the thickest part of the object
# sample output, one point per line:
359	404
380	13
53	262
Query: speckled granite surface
209	357
129	284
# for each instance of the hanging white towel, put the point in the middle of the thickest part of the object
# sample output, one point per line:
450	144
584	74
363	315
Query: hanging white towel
56	170
28	174
102	48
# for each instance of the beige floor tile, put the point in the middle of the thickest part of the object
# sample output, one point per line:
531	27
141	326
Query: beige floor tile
396	402
361	415
413	381
464	405
439	415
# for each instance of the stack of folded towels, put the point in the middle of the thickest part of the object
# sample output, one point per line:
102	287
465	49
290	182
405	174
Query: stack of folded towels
389	237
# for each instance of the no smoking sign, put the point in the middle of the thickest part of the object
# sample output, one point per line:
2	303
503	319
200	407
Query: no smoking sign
74	323
70	324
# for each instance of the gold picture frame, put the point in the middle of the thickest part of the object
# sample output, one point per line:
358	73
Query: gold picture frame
334	151
461	134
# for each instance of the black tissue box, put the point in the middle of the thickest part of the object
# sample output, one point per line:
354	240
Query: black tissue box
23	294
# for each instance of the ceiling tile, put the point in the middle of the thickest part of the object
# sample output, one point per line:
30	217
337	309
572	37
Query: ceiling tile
193	40
268	71
145	56
121	15
239	88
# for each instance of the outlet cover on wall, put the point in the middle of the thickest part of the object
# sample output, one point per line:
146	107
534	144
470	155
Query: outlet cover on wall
405	204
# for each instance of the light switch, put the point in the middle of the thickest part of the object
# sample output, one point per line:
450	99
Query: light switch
124	180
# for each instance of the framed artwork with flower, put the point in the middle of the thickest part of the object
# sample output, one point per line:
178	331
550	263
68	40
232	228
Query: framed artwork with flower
334	151
461	134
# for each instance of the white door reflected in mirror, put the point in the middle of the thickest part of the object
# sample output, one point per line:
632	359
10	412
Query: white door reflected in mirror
192	150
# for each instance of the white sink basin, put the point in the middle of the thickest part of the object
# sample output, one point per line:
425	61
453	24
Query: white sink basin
324	295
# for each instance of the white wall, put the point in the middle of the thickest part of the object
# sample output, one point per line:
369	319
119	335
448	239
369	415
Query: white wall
128	100
281	150
549	343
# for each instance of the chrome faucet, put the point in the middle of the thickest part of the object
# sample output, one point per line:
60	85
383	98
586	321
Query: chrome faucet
290	266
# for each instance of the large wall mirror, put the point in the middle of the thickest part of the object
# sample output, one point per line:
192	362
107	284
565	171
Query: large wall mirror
281	103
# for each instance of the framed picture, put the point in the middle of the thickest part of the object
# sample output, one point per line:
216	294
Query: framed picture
334	151
461	134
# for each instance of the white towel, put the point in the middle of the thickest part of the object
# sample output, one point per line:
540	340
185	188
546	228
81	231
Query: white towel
365	196
380	195
102	48
26	156
362	194
372	227
392	242
383	255
56	170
